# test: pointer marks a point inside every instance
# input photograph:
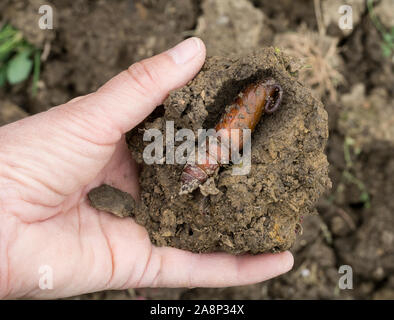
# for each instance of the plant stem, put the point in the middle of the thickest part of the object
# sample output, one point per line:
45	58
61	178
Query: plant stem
36	71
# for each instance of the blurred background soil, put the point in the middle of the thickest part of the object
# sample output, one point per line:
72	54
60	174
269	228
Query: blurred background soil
94	40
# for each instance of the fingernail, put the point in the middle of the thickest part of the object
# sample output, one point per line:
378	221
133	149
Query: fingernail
185	51
289	261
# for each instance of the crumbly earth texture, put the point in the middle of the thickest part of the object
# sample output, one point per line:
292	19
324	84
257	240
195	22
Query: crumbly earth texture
252	213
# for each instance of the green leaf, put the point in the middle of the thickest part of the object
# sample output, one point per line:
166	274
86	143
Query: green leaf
387	37
386	50
364	197
10	45
19	68
7	32
3	76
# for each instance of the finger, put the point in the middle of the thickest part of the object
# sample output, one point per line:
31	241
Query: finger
80	137
131	96
136	263
79	98
172	267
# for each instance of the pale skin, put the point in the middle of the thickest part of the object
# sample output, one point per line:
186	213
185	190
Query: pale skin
48	163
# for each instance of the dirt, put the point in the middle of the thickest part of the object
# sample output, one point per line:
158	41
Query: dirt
360	113
110	199
363	58
233	19
10	112
319	60
355	221
254	213
372	163
143	28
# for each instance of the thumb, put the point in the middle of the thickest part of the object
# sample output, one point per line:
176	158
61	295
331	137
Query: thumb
48	150
131	96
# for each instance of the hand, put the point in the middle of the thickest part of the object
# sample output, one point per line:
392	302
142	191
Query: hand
48	163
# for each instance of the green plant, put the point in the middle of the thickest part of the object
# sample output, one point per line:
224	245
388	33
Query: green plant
387	35
347	177
17	58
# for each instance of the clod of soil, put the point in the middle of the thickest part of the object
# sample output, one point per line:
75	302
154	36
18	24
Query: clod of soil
252	213
360	115
231	26
107	198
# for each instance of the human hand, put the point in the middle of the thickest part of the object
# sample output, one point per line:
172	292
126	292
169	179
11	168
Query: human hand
50	161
